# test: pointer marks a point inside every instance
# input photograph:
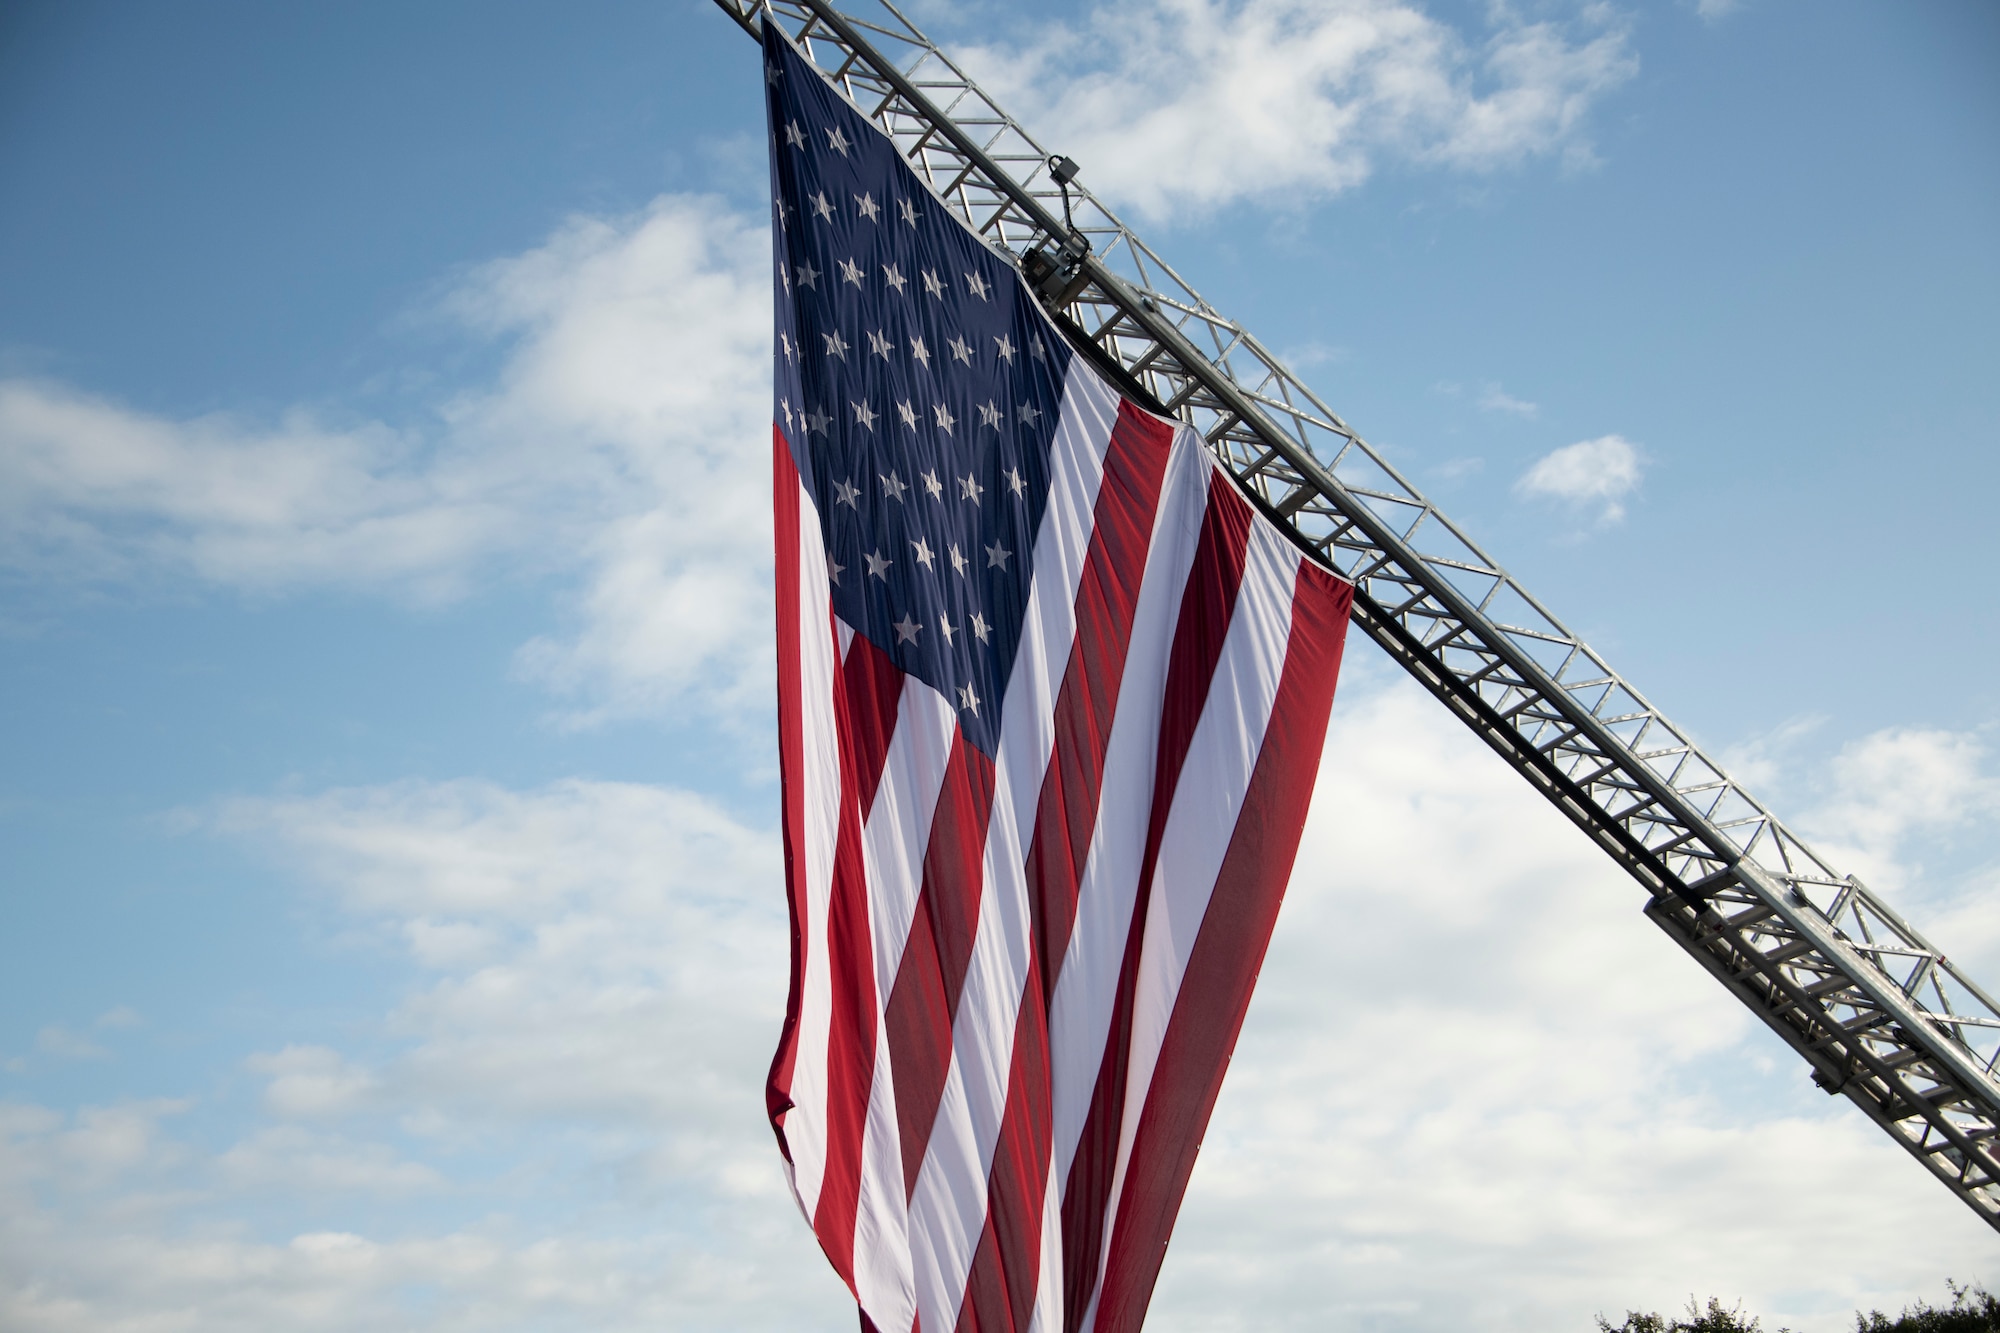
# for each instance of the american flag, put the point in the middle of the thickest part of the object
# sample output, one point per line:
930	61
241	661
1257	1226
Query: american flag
1051	701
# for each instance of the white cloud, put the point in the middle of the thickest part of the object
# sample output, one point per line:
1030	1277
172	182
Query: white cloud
1188	104
55	1039
608	950
1475	1087
595	1024
291	1159
1454	468
91	488
652	342
1497	399
1589	475
1903	807
312	1080
1902	781
127	1280
624	443
94	1147
1712	10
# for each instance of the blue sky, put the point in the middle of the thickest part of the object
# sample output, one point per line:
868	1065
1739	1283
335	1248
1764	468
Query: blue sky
385	805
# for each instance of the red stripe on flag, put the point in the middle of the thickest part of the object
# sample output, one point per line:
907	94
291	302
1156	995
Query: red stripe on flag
1000	1292
1228	951
851	1036
873	686
1207	606
791	766
924	1000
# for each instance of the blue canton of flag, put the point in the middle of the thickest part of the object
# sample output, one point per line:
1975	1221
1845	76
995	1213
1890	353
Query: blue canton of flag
919	390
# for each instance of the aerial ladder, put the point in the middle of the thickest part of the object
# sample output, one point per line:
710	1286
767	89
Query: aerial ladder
1879	1013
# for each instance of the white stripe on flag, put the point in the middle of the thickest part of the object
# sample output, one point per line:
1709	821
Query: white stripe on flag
805	1124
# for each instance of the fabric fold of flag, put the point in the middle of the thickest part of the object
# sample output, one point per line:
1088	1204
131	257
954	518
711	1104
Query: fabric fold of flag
1051	701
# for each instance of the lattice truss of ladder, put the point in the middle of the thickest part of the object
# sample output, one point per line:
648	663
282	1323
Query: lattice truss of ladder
1878	1012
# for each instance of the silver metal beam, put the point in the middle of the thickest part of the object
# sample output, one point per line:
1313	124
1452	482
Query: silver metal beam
1879	1013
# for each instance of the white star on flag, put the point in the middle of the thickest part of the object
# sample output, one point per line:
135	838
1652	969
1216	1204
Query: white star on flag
795	136
865	205
958	560
909	211
878	566
1006	349
920	352
1028	413
1016	481
979	626
1035	349
946	628
864	415
850	272
945	420
969	488
808	276
933	283
906	629
961	349
991	415
924	553
835	344
893	486
821	206
996	556
834	569
893	278
818	421
933	485
837	141
879	345
907	413
968	700
976	285
846	493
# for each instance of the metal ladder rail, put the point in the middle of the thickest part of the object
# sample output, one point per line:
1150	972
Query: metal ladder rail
1726	880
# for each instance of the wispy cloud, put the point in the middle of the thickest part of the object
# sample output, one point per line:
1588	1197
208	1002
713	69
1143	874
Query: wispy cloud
1178	105
1591	475
1881	792
599	1028
622	445
1496	399
1312	354
1452	469
311	1081
57	1040
1467	1054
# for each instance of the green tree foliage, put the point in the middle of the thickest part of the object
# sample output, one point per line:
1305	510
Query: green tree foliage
1972	1310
